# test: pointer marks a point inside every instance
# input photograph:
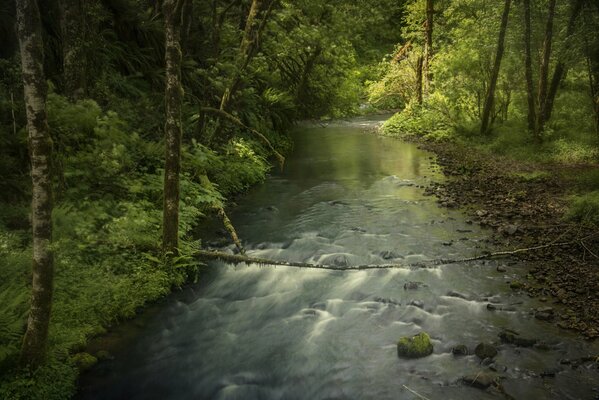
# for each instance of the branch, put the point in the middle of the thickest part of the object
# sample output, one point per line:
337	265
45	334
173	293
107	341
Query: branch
237	258
237	121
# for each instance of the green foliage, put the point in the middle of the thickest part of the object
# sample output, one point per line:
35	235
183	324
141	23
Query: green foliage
107	220
418	121
585	208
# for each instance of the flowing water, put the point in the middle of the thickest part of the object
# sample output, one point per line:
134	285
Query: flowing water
346	197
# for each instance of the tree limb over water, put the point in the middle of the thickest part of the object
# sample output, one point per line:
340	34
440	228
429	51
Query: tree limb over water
239	258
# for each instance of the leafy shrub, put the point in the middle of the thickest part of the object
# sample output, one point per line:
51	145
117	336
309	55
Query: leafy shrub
585	208
420	121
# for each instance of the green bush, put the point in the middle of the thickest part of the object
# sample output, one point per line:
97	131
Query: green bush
585	208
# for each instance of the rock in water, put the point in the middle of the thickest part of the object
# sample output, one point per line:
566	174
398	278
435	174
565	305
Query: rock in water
460	350
485	350
482	380
415	347
515	339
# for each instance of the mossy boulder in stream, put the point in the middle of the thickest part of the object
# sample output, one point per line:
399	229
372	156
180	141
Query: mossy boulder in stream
415	347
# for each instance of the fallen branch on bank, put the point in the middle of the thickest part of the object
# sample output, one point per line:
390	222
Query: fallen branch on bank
242	258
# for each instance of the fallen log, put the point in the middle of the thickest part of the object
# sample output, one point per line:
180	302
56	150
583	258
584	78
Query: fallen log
242	258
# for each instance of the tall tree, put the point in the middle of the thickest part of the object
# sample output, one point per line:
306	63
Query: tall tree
72	26
544	72
255	23
530	97
428	46
40	148
561	68
172	130
496	66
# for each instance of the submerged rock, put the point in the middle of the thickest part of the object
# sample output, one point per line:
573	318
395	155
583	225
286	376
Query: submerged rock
413	285
481	380
416	303
485	350
453	293
515	339
390	255
415	347
460	350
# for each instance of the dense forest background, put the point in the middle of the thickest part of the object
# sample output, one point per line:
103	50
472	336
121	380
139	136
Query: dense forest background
128	78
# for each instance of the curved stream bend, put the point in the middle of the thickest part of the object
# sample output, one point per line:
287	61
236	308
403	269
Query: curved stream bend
256	332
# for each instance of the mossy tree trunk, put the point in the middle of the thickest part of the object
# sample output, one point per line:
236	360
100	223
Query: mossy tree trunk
172	131
561	69
530	97
255	22
490	99
543	74
419	79
428	47
40	148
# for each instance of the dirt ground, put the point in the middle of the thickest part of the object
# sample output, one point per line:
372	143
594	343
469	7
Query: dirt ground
524	205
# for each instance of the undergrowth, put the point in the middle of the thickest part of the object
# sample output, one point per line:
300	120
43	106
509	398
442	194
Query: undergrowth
107	223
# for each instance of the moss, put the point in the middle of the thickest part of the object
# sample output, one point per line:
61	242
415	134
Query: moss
416	346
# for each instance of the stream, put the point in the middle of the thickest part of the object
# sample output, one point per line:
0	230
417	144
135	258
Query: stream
346	197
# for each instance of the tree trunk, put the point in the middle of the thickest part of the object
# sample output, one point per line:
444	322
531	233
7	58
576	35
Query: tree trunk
419	79
561	69
544	72
186	22
247	49
40	147
428	47
302	87
172	130
73	64
530	97
495	73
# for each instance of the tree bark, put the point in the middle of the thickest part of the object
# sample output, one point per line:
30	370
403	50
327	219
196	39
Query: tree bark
186	22
419	79
73	64
561	69
544	72
247	49
530	97
172	130
428	47
496	66
35	341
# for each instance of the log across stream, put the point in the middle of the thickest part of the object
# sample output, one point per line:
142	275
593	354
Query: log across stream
347	198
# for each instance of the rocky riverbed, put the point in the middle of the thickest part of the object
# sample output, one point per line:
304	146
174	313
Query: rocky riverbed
524	205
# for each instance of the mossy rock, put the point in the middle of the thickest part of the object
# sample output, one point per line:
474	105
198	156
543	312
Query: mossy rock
84	361
415	347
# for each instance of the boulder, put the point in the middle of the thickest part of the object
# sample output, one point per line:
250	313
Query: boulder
413	285
460	350
485	350
481	380
415	347
515	339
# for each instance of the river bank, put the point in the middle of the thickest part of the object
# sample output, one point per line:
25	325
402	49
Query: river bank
524	204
